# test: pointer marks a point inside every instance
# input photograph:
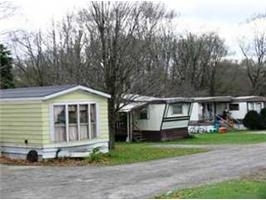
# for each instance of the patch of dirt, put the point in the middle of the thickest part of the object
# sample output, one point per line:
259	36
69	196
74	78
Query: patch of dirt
259	175
48	162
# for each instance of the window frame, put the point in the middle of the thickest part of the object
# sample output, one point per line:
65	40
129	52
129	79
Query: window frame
172	109
66	105
258	106
251	106
234	104
141	111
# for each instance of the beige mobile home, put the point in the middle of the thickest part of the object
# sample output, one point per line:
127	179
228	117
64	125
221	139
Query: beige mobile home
54	121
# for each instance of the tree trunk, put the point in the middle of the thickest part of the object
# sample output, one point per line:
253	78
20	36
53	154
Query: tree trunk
111	121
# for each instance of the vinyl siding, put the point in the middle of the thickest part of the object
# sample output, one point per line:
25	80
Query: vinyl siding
185	110
20	121
176	121
195	111
155	115
175	124
31	120
240	114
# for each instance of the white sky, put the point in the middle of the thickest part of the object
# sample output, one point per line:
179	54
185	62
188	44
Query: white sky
226	17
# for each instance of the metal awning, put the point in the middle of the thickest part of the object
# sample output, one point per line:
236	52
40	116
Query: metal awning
249	99
132	106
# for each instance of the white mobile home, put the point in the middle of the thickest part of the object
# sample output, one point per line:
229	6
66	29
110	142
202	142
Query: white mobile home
240	106
154	119
207	110
53	121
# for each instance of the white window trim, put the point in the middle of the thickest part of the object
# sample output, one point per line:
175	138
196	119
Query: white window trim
78	103
147	111
234	104
51	115
89	119
177	114
67	122
97	120
78	117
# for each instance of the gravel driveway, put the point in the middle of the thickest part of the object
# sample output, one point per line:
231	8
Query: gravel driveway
141	180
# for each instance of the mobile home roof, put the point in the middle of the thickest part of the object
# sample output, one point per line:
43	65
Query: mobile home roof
249	99
45	92
213	99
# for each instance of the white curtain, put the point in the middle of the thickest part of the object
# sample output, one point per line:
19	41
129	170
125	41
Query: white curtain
93	120
60	126
84	131
73	132
60	122
60	134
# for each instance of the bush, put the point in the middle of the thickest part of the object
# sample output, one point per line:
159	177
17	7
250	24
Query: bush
95	155
263	117
253	120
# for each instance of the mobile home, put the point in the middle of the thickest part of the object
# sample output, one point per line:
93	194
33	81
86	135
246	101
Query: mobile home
54	121
154	119
240	106
206	111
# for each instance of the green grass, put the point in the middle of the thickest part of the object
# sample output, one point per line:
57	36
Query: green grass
241	137
236	189
125	153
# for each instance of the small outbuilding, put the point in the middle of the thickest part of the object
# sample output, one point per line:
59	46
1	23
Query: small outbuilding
53	121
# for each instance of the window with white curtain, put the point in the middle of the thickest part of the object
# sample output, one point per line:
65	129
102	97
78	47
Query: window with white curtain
74	122
59	123
84	121
93	120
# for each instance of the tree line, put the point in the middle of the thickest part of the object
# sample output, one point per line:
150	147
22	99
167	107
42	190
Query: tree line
132	47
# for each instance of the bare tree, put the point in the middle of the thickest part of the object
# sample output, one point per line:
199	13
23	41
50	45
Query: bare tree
195	63
231	79
122	28
30	57
214	51
254	52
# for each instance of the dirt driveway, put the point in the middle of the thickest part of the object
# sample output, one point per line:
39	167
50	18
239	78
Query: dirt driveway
142	180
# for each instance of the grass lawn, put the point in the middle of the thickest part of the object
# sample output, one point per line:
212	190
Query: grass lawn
138	152
123	153
240	137
252	187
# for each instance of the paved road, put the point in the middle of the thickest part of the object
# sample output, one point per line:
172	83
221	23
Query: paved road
141	180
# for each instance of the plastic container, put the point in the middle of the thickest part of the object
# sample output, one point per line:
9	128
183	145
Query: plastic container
222	130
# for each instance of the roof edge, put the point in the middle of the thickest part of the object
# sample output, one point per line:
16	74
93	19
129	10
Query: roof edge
66	91
79	87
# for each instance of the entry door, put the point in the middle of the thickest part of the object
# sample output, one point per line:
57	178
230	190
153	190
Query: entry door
207	111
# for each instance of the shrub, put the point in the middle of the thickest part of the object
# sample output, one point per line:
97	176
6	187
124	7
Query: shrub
95	155
252	120
263	117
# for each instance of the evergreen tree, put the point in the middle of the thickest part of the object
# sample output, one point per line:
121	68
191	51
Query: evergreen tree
6	76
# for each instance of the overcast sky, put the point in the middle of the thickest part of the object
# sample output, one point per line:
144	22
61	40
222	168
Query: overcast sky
226	17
